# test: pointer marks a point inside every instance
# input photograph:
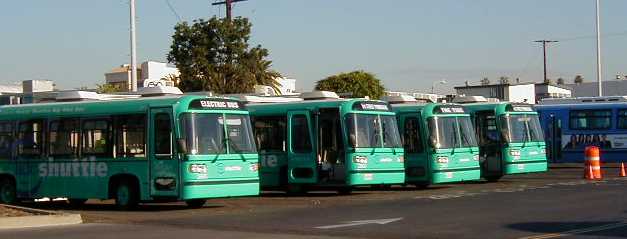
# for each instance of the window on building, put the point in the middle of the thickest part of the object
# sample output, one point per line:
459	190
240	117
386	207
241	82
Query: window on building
97	137
30	139
6	140
270	133
412	140
64	136
130	131
590	119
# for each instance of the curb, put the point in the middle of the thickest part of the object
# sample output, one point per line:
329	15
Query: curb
42	218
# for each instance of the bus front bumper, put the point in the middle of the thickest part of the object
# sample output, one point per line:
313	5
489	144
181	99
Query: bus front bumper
219	189
459	175
526	167
376	177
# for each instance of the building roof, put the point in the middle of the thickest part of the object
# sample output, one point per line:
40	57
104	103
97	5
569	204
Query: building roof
610	87
493	85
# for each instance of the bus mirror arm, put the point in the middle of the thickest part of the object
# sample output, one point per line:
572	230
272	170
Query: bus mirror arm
181	146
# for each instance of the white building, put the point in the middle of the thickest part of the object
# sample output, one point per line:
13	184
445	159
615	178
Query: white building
151	71
520	92
286	86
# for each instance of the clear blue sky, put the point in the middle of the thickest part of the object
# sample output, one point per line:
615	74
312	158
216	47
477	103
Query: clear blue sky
407	43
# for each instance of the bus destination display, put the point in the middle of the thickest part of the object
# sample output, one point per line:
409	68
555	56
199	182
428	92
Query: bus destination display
371	106
206	104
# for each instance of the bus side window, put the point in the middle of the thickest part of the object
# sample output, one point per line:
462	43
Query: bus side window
30	139
130	133
63	138
96	138
6	140
163	135
270	133
411	134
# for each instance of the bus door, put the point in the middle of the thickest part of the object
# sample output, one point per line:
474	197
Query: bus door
489	142
417	160
555	138
164	165
301	156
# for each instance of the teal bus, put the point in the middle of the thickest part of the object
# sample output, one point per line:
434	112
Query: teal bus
439	142
327	142
166	148
510	138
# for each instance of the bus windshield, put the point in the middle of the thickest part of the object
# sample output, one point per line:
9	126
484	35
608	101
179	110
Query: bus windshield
373	131
522	128
205	134
452	132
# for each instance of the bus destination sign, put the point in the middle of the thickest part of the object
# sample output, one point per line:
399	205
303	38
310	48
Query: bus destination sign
450	110
207	104
521	108
371	106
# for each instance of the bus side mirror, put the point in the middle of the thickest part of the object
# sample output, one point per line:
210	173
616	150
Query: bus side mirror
181	146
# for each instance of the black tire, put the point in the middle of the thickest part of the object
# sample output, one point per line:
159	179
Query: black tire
126	195
493	179
345	190
195	203
422	185
8	193
76	202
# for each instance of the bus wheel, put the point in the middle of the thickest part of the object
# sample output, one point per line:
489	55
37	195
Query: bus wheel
493	178
195	203
126	196
75	202
7	192
421	185
345	190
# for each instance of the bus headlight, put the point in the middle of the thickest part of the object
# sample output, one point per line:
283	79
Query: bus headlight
360	159
442	159
198	168
401	159
475	157
514	152
543	151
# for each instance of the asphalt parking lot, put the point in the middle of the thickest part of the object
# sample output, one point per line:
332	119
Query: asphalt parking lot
555	204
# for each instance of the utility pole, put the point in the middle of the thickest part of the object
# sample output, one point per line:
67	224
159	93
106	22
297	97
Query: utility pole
599	70
544	42
133	50
229	7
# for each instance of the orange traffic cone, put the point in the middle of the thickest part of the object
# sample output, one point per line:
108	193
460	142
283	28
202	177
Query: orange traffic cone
622	170
589	174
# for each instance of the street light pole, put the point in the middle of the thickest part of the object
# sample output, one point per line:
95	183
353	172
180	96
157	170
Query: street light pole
599	70
133	50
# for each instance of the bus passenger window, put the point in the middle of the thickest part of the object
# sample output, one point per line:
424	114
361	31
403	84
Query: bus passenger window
6	139
163	134
270	133
30	140
301	140
412	140
96	138
130	131
63	136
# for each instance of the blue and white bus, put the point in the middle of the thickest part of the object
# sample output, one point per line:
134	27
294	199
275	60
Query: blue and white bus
574	123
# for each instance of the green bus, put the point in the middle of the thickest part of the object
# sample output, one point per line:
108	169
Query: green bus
439	142
510	139
327	142
166	148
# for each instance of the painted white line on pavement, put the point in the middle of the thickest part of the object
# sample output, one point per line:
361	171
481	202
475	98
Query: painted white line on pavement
361	222
578	231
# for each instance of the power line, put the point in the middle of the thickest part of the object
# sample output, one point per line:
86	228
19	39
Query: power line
544	42
173	10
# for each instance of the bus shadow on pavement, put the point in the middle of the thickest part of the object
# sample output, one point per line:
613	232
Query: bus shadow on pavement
103	206
313	194
403	188
614	229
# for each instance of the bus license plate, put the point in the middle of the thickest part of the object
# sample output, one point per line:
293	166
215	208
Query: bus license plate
449	175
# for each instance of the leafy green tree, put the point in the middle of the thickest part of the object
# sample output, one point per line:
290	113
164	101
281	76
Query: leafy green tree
214	55
560	81
504	80
108	88
358	83
485	81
